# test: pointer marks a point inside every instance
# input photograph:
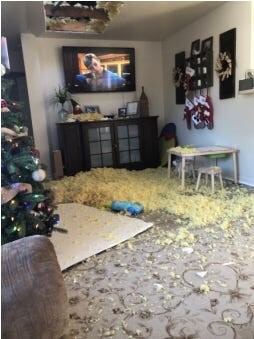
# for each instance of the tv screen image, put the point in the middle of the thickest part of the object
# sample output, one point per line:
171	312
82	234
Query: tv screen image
99	69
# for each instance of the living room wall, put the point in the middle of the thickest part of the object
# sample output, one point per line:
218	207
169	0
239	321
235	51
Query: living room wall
234	118
44	71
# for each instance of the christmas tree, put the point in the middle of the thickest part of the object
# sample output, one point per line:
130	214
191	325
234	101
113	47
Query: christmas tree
27	207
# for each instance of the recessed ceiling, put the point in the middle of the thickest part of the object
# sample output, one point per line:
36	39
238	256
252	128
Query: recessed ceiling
138	20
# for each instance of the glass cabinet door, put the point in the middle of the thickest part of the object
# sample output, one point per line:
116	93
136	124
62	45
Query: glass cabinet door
128	143
100	146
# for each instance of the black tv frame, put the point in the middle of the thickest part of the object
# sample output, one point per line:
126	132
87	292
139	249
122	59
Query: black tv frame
71	69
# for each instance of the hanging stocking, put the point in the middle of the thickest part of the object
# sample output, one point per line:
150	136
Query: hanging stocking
196	116
188	110
207	110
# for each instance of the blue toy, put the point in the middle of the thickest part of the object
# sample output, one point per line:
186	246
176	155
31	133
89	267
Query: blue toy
127	206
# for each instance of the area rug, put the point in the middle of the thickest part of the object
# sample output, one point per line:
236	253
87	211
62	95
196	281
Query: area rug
90	231
150	289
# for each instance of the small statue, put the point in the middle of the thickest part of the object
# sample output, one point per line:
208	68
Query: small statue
143	104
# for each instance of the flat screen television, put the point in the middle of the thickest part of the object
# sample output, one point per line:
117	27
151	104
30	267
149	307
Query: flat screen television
99	69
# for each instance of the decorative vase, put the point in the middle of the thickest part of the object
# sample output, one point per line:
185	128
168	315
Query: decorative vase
143	104
62	113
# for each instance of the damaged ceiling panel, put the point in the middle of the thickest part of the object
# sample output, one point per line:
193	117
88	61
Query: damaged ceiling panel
80	16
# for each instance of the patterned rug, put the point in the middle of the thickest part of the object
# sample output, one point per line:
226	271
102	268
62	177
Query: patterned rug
167	283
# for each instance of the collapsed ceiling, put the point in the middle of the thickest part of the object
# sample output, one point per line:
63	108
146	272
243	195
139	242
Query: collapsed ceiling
80	16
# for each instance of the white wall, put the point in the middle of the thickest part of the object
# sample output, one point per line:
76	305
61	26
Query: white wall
234	118
44	69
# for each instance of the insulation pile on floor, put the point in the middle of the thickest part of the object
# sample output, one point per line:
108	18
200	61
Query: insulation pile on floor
155	191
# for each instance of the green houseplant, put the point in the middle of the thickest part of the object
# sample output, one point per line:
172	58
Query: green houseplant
62	95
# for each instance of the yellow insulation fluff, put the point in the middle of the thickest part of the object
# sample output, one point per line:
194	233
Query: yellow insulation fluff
155	191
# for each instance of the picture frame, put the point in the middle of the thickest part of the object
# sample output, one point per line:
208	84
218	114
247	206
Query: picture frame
195	47
122	112
92	109
132	108
207	45
249	74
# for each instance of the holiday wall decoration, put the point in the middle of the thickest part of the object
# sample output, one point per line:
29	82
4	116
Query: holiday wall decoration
196	78
26	207
199	111
225	65
201	61
179	74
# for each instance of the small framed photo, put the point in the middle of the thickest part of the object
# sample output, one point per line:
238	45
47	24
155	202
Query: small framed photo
195	47
132	108
92	109
249	74
207	45
122	112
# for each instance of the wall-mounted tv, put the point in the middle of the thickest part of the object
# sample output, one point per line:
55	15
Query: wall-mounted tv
99	69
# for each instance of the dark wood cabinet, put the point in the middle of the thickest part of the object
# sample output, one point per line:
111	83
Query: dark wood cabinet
121	143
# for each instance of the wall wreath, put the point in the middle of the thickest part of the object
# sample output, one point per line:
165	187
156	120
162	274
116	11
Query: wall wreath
223	66
178	76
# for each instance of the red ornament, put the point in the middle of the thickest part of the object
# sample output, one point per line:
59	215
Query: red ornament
3	103
35	152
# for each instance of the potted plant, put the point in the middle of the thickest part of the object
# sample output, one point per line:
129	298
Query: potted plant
62	95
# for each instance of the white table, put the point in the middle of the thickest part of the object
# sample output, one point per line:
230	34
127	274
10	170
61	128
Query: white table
199	151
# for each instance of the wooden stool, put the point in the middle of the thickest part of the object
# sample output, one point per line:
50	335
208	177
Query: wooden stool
189	167
214	170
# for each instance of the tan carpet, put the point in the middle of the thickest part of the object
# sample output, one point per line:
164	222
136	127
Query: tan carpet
91	231
150	289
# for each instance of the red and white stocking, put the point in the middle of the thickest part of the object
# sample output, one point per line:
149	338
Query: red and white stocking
188	111
197	116
207	110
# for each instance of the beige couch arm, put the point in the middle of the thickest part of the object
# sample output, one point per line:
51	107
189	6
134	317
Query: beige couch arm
34	299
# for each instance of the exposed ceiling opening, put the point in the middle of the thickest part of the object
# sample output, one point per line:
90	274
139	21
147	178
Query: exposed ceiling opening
137	20
80	16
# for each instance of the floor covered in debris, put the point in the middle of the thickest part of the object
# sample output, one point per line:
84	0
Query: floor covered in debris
190	276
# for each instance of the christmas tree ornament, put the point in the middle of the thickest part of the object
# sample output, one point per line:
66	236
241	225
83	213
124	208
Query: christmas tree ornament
3	70
8	132
39	175
8	193
35	152
3	103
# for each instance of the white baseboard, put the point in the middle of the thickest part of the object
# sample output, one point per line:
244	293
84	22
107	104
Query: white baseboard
241	181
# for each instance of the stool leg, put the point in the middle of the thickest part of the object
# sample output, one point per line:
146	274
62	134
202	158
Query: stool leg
221	182
212	180
206	178
198	181
193	172
179	170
